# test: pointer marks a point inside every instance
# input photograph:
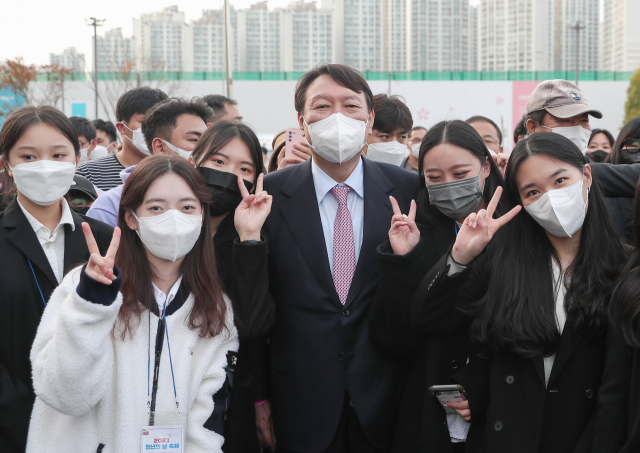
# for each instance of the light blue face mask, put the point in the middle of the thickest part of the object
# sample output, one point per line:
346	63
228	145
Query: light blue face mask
457	199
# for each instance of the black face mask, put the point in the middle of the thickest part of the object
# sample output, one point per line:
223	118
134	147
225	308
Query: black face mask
630	155
82	211
597	156
224	189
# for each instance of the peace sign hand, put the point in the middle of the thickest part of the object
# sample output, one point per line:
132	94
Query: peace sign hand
100	268
252	211
478	229
404	234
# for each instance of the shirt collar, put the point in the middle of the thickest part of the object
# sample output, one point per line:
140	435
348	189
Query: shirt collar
161	297
324	183
65	219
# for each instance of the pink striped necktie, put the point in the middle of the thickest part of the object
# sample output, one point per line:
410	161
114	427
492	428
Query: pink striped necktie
344	255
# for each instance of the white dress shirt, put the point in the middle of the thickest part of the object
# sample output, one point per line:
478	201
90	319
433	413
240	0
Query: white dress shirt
162	298
328	205
560	290
52	243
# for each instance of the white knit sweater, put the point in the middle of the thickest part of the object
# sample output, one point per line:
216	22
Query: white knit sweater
92	388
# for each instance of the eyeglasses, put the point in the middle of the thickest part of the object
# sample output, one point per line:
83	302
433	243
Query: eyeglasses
489	141
631	143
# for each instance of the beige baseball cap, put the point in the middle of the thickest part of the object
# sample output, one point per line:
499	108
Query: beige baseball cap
560	98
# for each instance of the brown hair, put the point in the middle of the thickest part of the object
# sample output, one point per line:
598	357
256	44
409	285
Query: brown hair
341	74
273	160
199	274
391	114
219	135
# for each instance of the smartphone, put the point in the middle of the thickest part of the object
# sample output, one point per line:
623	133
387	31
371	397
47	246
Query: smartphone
293	136
448	394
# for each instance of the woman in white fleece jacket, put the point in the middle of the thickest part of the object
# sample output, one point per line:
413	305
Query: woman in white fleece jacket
103	339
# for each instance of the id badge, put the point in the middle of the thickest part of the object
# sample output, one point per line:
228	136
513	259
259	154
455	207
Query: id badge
163	438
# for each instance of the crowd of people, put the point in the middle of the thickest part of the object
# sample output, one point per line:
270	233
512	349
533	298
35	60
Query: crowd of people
372	287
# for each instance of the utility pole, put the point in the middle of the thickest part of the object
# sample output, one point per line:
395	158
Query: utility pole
577	26
227	45
95	23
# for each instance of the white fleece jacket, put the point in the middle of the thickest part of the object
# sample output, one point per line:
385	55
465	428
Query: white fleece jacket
91	388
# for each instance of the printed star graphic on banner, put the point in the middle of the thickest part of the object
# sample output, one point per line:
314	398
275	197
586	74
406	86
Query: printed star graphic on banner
423	114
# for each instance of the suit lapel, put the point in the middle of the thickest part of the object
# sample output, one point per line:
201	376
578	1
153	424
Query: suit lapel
538	365
302	216
24	239
76	251
377	220
568	341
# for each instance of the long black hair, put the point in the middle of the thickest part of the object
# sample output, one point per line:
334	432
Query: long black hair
460	134
625	301
518	311
629	130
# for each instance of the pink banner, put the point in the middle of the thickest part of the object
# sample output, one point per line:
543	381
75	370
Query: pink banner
521	92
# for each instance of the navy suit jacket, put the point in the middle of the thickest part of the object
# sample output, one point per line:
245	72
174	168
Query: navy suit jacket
319	348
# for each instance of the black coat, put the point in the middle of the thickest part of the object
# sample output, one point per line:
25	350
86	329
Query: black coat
617	180
21	307
320	348
433	357
243	269
511	408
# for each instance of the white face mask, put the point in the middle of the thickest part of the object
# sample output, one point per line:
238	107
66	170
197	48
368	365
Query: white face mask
44	181
170	235
179	151
337	138
577	134
138	140
98	152
415	150
83	155
560	211
389	152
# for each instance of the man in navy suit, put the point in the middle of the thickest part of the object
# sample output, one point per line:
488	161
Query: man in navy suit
330	389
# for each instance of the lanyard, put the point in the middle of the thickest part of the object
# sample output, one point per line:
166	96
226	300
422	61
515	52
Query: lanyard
151	396
38	284
455	226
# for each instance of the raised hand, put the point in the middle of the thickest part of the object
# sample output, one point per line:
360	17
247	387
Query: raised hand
301	153
404	234
478	229
100	268
501	161
252	211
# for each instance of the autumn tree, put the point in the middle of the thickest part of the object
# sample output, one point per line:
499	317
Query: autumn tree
632	106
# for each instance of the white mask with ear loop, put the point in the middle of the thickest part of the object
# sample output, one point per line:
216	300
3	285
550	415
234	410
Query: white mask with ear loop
170	235
577	134
388	152
337	138
138	140
560	211
179	151
44	181
415	150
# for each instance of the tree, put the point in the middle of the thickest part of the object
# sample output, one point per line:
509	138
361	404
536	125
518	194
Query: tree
53	89
632	106
16	78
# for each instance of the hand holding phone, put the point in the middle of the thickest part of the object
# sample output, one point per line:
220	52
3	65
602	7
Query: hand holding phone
448	394
292	138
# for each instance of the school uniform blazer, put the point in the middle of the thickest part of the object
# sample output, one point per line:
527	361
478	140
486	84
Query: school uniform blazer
511	408
320	348
21	307
433	358
243	269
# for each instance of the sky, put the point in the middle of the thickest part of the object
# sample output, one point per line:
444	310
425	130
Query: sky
35	28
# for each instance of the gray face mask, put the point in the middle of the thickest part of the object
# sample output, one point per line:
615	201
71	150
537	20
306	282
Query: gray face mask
456	199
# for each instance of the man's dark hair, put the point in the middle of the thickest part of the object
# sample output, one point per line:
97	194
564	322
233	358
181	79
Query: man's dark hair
341	74
162	119
536	116
138	100
218	103
391	114
107	127
484	119
521	129
83	127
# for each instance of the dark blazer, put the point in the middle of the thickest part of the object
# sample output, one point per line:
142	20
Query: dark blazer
511	408
243	269
433	357
21	307
617	180
318	347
